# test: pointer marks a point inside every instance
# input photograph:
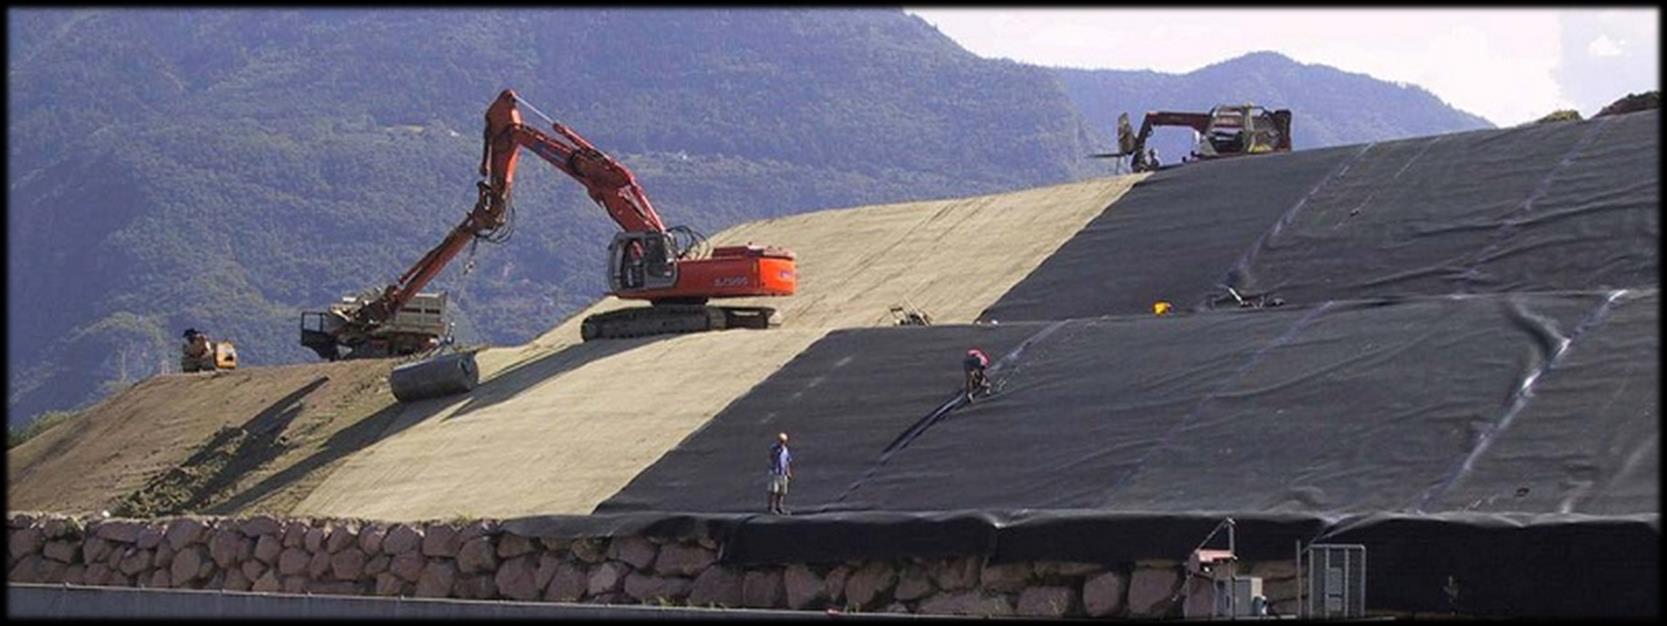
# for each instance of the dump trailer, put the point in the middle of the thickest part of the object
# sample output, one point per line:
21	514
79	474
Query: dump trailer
420	325
202	354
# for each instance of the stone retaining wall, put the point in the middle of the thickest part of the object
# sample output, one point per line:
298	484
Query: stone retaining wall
479	560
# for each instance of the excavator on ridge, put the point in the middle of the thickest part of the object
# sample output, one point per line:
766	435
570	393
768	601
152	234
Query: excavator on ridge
1228	130
675	269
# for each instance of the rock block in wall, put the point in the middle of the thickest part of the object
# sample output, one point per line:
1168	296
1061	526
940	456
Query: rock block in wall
295	584
440	540
1056	601
371	537
164	555
634	550
589	550
293	561
51	572
295	534
762	589
1102	594
267	549
868	583
319	565
607	577
62	551
59	527
160	579
646	588
515	579
188	563
402	538
313	541
26	541
966	603
229	547
20	520
94	550
75	574
477	556
546	569
253	569
377	565
120	531
568	583
136	561
437	579
478	528
207	571
555	544
913	583
684	560
387	584
1150	590
408	566
183	532
340	537
267	583
150	536
718	585
1198	600
97	574
259	525
348	564
235	581
511	545
833	585
1005	577
803	586
957	573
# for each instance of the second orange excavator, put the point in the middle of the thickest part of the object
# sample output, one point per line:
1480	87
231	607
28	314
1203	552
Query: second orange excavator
674	269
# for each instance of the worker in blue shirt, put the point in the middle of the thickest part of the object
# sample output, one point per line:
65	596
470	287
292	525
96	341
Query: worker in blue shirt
781	471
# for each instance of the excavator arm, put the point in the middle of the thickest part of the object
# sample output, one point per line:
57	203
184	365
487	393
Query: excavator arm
609	183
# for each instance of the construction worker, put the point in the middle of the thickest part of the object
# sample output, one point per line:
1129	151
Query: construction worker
974	365
781	471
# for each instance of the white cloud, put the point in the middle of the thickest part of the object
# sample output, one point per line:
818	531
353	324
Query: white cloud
1603	46
1502	64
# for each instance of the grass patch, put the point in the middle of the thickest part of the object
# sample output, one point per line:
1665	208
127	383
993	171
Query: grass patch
41	424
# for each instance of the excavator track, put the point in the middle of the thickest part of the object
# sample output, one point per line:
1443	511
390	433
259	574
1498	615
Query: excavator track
674	319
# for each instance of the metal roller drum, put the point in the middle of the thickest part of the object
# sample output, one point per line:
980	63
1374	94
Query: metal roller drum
436	377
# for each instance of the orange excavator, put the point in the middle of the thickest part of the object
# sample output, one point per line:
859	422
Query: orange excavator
674	269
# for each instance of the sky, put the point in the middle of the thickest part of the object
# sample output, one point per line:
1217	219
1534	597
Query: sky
1507	65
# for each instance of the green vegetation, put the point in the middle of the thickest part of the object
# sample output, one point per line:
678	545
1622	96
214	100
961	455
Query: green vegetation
1560	115
16	435
1633	102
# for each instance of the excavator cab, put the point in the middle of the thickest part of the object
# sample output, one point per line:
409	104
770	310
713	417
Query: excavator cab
639	261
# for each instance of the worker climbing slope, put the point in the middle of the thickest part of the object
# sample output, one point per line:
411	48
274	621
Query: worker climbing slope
977	383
